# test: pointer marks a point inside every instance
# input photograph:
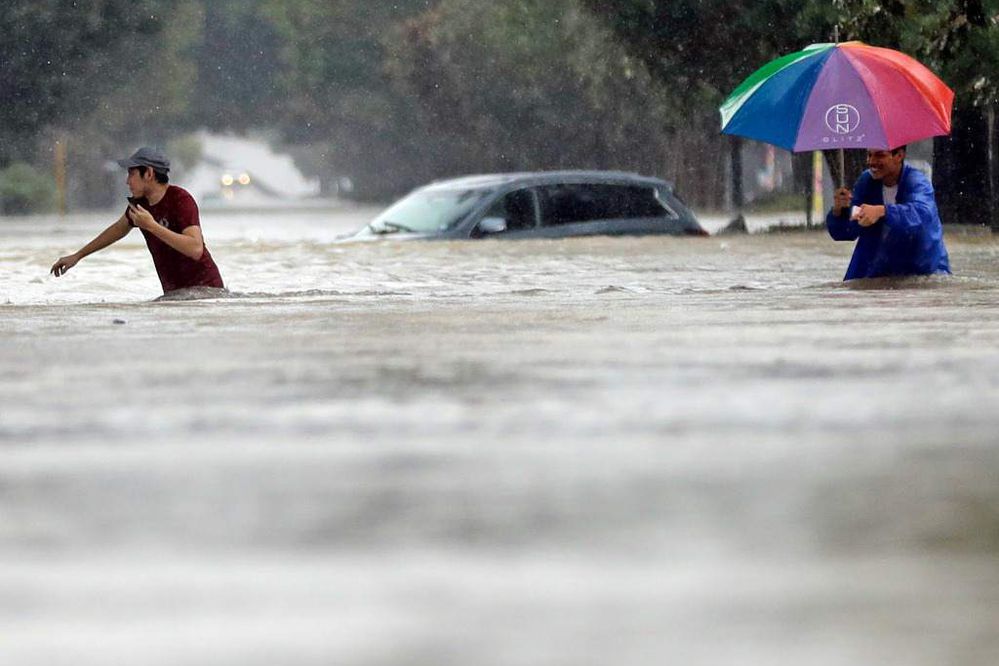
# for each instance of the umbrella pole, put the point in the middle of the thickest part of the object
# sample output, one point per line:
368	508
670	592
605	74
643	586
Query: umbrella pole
842	168
840	157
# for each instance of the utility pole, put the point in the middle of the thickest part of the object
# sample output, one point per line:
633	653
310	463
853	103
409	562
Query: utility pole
59	167
735	164
810	195
993	169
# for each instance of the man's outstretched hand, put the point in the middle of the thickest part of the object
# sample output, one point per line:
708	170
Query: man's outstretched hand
64	264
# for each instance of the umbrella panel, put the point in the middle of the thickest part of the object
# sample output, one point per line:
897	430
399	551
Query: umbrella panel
840	112
773	112
907	108
839	96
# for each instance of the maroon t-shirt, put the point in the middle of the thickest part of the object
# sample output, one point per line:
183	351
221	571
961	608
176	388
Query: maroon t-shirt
176	211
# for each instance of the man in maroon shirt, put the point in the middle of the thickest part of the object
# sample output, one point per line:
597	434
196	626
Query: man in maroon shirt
168	218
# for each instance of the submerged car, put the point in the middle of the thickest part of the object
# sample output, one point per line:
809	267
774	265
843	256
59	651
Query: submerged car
538	205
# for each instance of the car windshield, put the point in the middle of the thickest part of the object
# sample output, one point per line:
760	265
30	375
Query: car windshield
426	211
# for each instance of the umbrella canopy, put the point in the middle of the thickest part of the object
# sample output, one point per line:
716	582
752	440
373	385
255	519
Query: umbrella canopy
847	95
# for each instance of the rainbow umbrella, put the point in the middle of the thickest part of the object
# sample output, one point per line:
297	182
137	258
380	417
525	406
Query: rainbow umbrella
847	95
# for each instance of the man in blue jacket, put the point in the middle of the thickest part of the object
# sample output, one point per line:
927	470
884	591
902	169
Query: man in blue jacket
892	215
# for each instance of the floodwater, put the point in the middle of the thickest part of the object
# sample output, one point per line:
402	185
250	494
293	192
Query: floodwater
591	451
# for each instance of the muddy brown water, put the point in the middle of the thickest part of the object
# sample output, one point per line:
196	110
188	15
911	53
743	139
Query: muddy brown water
587	451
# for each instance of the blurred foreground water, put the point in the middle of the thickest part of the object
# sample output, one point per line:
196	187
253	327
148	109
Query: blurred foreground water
591	451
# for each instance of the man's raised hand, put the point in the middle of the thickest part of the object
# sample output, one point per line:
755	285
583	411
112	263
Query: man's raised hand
141	217
841	200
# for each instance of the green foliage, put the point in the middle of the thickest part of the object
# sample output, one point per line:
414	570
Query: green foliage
24	189
685	41
395	93
334	92
151	98
706	47
60	59
237	62
186	150
106	75
958	39
526	84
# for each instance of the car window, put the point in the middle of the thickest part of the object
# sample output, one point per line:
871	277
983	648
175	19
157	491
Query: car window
517	208
430	210
568	203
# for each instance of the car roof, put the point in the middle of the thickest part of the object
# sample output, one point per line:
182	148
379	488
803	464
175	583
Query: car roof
529	178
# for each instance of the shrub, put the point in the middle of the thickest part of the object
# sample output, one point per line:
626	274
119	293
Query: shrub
25	189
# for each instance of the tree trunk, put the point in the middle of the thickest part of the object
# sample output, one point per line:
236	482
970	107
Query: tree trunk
801	172
738	200
802	181
961	168
993	115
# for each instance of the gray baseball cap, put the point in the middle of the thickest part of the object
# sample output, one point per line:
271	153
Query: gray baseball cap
148	157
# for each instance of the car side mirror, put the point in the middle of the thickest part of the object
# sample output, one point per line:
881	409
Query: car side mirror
492	225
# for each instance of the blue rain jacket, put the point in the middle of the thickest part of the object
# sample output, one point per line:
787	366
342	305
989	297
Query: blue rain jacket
908	240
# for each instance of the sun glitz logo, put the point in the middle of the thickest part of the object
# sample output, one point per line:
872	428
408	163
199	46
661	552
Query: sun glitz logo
842	119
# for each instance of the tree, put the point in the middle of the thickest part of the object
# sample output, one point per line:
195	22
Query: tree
685	46
961	39
422	90
102	75
526	85
238	60
958	39
335	93
60	59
